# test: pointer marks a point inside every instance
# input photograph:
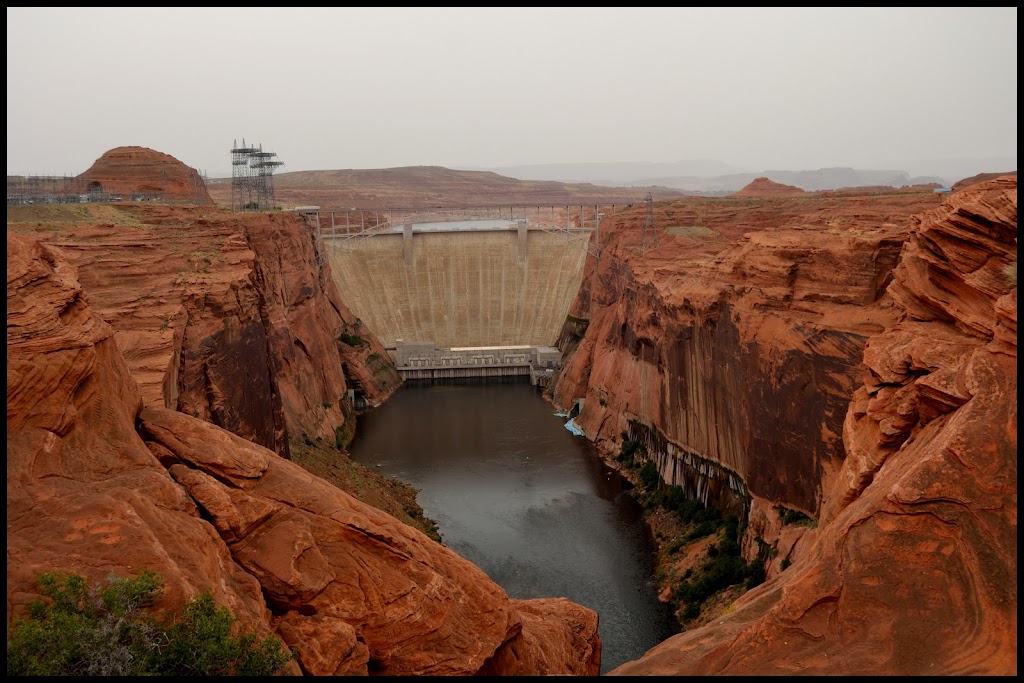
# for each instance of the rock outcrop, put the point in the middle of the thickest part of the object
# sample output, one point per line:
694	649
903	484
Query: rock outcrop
141	173
234	319
912	569
766	187
84	494
733	347
99	483
979	178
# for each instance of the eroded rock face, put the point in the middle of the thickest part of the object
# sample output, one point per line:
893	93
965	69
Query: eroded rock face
230	318
952	284
733	347
913	568
127	171
84	494
980	178
354	590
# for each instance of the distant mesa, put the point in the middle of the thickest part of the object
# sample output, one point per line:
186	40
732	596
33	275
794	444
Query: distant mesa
878	189
765	187
128	172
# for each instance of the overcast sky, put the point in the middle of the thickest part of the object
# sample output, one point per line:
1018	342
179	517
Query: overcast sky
376	88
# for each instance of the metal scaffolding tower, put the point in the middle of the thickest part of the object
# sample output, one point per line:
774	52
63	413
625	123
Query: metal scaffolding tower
36	189
649	239
252	177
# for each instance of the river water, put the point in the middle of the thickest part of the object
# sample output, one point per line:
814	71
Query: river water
526	501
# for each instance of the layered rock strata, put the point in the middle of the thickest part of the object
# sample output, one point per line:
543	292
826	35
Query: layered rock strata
231	318
99	483
143	173
732	347
912	568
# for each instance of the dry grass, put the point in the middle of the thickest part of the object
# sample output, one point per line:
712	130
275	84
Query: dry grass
63	216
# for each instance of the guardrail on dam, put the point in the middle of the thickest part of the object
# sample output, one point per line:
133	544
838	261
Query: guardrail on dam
461	284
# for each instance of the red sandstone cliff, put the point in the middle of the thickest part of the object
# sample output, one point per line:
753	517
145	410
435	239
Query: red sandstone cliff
912	569
230	318
145	173
98	483
980	178
733	347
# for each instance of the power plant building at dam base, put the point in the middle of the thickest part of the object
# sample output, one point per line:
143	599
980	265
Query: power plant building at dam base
502	285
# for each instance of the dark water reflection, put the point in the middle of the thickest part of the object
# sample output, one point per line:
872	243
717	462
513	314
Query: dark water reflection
519	496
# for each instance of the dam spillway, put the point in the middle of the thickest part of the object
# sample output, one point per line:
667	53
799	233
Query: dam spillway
455	286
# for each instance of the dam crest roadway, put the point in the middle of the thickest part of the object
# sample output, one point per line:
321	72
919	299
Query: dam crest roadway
575	222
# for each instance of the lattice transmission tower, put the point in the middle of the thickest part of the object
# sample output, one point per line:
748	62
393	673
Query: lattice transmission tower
649	238
252	177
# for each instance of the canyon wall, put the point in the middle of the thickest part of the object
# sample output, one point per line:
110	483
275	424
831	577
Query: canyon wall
850	357
493	288
885	356
232	318
733	347
101	480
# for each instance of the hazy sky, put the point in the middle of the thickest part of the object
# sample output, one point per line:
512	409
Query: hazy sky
784	88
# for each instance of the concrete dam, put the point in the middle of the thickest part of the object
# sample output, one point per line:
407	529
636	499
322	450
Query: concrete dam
461	284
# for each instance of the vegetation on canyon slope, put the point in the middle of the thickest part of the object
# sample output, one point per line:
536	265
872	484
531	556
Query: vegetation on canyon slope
686	528
107	630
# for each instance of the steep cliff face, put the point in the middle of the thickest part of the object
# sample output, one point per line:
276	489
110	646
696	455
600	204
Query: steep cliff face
83	491
958	327
232	319
733	347
912	570
98	483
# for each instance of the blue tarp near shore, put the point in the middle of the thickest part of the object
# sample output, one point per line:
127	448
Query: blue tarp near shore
571	426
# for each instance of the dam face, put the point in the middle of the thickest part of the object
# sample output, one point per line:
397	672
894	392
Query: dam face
493	287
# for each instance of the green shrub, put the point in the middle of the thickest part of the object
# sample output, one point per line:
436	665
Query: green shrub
649	476
78	630
351	339
629	449
200	643
674	500
674	497
794	517
722	568
755	574
701	530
